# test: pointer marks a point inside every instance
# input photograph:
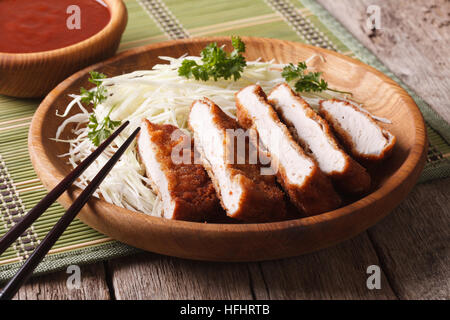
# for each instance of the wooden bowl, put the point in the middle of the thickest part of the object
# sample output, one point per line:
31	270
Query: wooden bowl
245	242
28	75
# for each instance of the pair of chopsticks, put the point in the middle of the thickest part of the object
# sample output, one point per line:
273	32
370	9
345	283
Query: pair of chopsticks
42	249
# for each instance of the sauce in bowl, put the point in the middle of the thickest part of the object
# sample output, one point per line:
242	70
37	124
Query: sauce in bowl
41	25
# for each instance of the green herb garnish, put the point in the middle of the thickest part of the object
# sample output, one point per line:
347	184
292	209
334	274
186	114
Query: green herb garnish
98	130
306	82
216	63
95	96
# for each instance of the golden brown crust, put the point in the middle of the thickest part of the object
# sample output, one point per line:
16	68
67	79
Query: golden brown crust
347	140
189	185
262	200
317	194
354	178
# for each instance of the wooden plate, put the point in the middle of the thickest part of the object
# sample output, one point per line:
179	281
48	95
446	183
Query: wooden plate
245	242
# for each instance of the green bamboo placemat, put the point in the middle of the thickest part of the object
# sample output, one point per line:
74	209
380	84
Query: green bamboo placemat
154	21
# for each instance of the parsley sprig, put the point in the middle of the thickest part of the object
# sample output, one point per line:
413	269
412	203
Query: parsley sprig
306	81
98	130
94	96
216	63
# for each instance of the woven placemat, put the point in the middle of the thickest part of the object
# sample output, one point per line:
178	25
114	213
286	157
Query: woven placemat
154	21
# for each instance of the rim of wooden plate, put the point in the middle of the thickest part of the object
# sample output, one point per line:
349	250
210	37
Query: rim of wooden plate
401	181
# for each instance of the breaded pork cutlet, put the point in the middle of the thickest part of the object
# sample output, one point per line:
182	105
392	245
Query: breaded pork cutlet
186	191
357	130
308	188
245	194
315	136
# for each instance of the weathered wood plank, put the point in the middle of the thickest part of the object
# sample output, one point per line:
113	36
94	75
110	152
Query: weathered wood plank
151	276
54	286
414	243
335	273
339	272
413	42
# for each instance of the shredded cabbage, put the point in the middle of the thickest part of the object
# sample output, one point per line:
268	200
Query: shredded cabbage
161	96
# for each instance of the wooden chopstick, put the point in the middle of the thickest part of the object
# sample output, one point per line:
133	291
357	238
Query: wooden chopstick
27	268
19	228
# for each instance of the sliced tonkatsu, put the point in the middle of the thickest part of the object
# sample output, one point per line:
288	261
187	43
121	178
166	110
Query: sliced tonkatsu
186	191
315	136
244	193
357	130
307	186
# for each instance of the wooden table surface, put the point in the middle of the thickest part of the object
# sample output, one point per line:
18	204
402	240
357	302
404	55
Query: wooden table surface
411	245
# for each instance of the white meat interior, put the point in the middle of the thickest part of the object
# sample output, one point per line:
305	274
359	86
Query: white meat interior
367	136
329	158
210	140
147	153
276	138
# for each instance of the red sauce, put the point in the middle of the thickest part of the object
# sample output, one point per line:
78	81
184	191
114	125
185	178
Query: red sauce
41	25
